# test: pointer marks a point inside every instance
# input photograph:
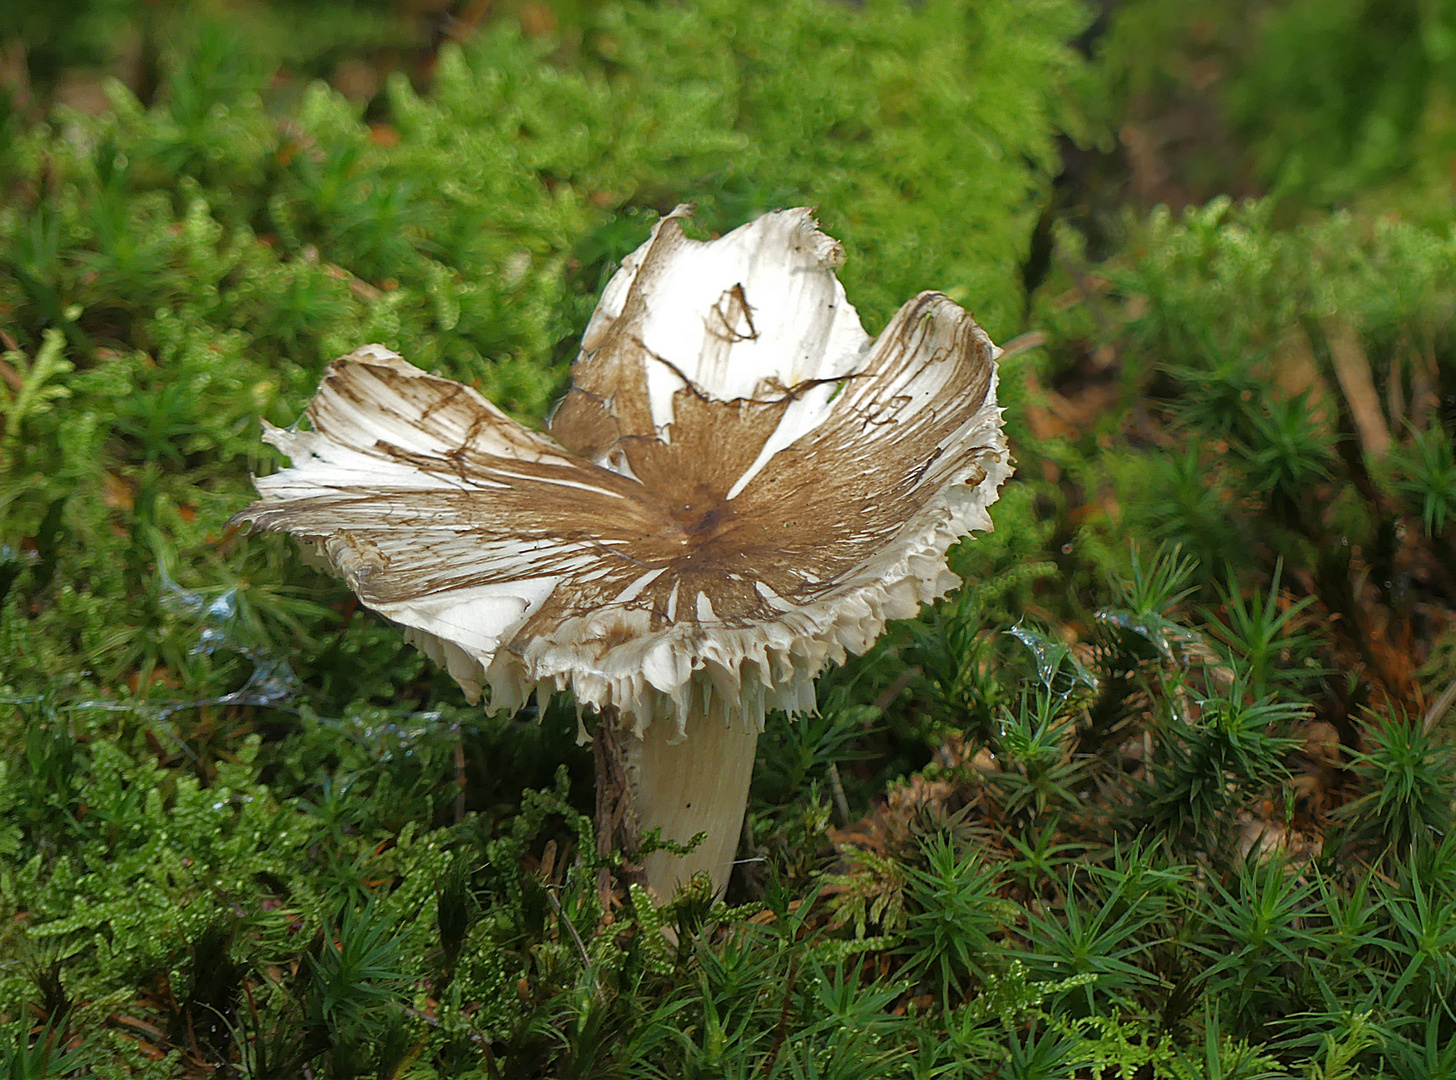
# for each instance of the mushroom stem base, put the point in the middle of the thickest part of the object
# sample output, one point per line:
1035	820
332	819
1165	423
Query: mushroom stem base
698	785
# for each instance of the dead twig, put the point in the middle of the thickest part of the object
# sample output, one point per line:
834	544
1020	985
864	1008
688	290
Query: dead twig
1440	705
896	688
782	1031
1032	339
13	378
576	937
836	785
1352	369
459	779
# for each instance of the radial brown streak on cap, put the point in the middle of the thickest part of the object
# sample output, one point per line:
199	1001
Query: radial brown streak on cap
443	401
833	498
447	411
592	560
584	424
530	510
612	408
608	403
710	445
818	509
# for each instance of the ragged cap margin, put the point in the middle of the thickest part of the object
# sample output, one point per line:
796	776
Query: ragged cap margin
386	432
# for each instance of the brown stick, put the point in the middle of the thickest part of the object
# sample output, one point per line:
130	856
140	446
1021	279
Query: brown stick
616	824
1352	369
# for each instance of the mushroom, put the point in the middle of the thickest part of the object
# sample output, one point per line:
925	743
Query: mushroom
739	487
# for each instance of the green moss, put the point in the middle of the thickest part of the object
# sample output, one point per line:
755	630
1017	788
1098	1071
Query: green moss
242	824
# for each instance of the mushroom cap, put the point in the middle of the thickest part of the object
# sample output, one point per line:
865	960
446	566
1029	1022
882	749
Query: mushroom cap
738	488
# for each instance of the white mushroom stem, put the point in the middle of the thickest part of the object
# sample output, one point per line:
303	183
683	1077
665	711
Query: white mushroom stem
696	785
739	488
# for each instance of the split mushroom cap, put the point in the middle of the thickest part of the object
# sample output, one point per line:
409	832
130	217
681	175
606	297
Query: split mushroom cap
740	486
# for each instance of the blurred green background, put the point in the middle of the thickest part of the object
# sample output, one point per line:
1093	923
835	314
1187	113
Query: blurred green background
1165	791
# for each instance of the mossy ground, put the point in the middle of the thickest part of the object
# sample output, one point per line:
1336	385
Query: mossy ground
1165	791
